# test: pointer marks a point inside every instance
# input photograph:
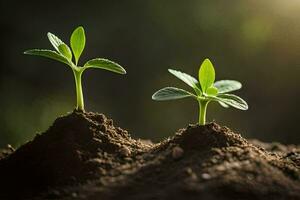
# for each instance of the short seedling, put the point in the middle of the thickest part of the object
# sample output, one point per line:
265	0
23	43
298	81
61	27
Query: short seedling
206	90
64	54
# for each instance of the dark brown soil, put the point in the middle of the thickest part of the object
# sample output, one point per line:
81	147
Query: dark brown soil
83	156
76	148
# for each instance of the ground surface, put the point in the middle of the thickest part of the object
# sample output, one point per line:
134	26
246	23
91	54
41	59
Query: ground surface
84	156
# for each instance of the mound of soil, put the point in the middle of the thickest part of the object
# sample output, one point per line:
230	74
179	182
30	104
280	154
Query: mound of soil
83	156
203	162
76	148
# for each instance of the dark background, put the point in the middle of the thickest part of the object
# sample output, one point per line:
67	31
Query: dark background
256	42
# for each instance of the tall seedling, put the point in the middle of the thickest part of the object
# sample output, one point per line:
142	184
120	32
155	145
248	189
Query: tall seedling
63	53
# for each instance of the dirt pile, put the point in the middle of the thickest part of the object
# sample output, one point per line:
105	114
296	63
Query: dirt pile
76	148
202	162
83	156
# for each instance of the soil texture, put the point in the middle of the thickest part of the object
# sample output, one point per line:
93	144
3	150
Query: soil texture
76	148
84	156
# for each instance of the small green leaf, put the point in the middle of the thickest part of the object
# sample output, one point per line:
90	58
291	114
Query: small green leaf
65	51
60	46
206	75
77	42
106	64
212	91
54	40
225	86
223	104
188	79
48	54
171	93
232	100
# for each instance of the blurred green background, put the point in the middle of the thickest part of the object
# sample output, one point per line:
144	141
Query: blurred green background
256	42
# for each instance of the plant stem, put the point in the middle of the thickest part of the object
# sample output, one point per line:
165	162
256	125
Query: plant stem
79	93
202	111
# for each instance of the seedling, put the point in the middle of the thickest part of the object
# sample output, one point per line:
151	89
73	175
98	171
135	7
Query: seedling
64	54
206	90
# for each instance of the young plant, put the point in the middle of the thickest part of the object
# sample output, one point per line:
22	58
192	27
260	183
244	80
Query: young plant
205	90
64	54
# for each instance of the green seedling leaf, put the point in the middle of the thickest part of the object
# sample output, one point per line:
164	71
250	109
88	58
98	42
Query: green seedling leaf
54	40
225	86
65	51
213	91
48	54
77	42
106	64
60	46
171	93
223	104
188	79
206	75
233	100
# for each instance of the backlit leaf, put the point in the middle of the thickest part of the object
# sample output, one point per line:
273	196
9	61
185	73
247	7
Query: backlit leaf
188	79
225	86
106	64
65	51
77	42
223	104
48	54
232	100
171	93
206	75
54	40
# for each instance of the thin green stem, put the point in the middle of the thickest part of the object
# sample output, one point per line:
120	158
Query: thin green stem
202	111
79	93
